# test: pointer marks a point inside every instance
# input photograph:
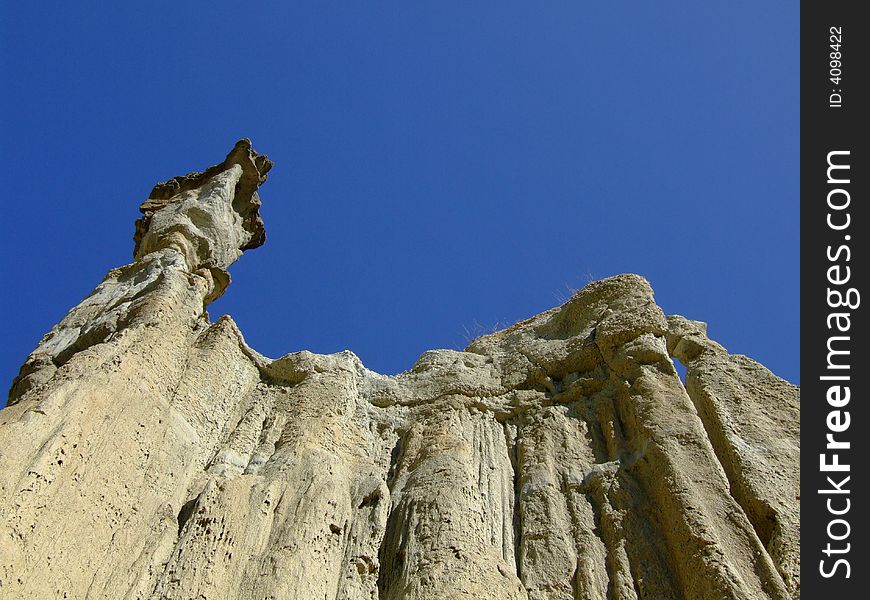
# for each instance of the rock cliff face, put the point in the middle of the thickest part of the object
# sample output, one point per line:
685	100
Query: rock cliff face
147	452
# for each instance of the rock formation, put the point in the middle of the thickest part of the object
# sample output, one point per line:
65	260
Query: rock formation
147	452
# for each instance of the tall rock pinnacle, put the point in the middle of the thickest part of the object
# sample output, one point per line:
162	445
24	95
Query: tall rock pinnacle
148	453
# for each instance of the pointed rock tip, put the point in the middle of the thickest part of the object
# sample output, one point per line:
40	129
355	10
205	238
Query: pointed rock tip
255	169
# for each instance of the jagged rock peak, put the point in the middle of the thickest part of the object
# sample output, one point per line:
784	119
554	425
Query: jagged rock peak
254	171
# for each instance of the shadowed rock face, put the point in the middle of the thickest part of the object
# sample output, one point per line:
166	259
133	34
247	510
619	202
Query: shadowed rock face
149	453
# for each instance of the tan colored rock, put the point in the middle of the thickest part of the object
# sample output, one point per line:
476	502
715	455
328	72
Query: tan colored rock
149	453
753	420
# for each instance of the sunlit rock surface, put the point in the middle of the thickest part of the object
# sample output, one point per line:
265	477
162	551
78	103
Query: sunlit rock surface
147	452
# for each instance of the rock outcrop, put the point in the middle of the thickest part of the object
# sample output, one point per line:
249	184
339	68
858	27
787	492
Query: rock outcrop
147	452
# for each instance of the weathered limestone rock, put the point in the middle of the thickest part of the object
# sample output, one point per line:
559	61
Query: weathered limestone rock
147	452
753	420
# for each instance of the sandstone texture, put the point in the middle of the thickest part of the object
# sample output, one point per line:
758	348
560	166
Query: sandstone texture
147	452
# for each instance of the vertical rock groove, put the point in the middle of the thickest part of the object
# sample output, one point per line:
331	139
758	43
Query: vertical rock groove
752	419
148	453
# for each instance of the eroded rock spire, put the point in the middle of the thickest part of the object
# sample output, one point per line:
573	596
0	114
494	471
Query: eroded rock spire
150	453
192	229
231	220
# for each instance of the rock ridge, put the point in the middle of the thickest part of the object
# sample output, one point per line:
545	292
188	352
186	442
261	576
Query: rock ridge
147	452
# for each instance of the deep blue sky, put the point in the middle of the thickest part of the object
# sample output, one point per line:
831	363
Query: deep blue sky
440	167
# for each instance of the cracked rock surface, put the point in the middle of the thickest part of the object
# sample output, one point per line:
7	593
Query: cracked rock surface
147	452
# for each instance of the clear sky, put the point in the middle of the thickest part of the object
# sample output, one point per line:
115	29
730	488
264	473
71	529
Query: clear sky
441	168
